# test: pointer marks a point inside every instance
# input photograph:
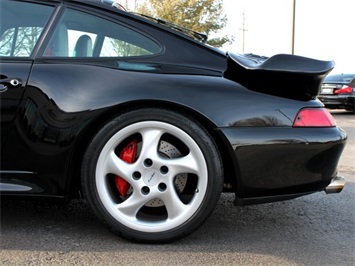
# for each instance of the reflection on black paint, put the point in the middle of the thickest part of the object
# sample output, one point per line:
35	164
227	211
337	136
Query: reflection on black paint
42	120
265	121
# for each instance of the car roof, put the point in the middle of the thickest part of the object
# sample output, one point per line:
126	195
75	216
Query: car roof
101	3
105	4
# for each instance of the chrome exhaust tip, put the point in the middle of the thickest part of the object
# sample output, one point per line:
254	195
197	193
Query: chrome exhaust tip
336	185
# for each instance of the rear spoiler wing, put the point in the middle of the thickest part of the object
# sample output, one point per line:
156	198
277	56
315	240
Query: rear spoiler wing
282	75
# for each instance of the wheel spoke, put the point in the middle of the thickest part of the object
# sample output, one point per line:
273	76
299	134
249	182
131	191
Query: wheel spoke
151	138
186	164
173	204
114	165
133	204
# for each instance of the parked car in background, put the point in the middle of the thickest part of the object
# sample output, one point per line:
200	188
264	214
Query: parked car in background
149	123
338	92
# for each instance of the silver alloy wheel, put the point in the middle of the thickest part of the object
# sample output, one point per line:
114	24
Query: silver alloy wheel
151	177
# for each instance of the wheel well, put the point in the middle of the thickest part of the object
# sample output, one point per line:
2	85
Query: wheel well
90	131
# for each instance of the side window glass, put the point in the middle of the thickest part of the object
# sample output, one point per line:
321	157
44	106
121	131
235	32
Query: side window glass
21	26
113	47
79	34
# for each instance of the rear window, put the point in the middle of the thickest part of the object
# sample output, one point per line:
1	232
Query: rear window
342	78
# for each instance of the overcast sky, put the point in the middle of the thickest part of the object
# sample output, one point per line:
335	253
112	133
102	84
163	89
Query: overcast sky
324	29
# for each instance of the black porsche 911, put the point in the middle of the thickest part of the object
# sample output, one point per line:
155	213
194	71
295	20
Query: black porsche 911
149	123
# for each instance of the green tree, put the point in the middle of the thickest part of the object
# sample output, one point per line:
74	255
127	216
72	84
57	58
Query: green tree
205	16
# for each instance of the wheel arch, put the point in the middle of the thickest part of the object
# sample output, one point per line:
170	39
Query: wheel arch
92	128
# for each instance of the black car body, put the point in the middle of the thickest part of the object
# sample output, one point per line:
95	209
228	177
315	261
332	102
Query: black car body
338	92
151	124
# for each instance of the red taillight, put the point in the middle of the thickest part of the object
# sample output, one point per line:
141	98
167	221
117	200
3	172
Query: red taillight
314	117
344	89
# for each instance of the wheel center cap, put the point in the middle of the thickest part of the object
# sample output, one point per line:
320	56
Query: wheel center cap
151	177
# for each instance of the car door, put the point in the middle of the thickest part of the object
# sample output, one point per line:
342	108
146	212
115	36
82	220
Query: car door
21	26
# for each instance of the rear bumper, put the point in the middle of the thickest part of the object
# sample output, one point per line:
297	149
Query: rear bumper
338	101
336	186
274	161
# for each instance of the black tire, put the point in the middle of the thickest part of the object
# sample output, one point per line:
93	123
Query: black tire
172	169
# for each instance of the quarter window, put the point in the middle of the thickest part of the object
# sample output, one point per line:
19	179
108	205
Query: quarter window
79	34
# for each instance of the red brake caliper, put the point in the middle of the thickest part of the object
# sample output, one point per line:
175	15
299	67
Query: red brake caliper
128	154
